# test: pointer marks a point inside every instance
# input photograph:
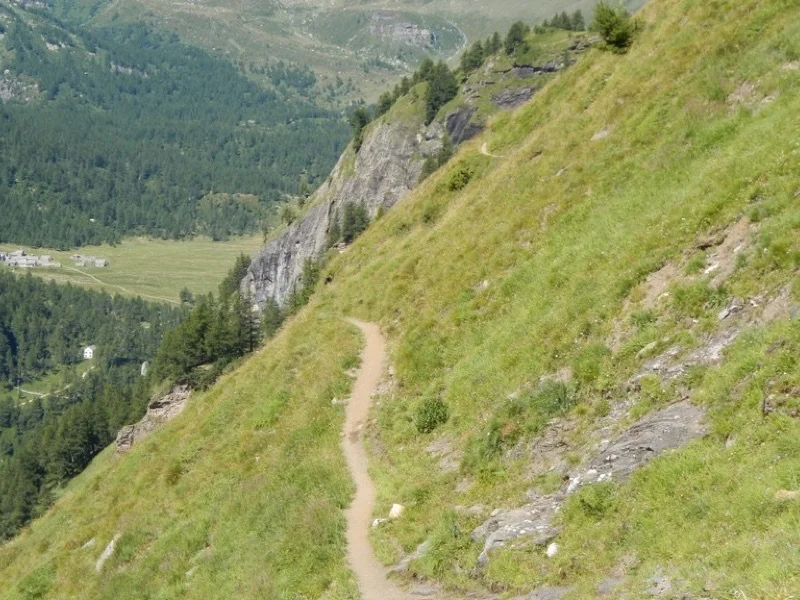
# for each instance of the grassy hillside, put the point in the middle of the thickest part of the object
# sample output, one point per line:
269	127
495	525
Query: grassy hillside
642	210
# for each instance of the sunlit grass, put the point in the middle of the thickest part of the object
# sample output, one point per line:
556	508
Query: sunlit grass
153	269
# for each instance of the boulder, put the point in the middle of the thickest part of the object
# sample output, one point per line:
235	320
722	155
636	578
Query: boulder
161	410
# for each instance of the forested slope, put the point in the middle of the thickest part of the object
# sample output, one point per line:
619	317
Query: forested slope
123	130
620	251
50	436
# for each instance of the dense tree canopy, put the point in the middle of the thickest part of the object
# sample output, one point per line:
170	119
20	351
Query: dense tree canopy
46	440
132	131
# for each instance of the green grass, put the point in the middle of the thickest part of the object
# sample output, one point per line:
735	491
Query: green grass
153	269
525	271
246	532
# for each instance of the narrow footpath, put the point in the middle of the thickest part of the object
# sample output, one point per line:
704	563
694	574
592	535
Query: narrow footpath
372	580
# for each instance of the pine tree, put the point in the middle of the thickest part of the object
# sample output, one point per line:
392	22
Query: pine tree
494	44
578	22
385	103
271	318
354	221
615	26
472	59
358	121
515	39
442	87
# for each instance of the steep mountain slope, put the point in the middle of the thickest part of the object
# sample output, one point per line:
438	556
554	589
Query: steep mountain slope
632	257
392	157
124	130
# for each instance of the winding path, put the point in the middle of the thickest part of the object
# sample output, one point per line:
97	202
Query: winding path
372	580
485	151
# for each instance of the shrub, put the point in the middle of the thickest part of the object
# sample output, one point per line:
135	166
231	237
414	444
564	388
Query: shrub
431	413
615	25
515	39
431	213
37	583
593	502
459	178
354	221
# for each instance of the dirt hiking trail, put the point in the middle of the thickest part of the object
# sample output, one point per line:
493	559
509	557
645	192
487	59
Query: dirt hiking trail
372	580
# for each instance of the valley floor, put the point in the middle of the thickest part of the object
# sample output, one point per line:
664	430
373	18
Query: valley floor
154	269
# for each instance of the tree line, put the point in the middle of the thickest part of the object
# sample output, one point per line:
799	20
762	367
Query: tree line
614	24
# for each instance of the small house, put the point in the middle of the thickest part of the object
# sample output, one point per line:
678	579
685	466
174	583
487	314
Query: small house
88	352
145	368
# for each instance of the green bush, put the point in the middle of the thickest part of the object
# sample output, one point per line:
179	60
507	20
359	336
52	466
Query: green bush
593	502
174	472
615	25
459	178
431	413
37	583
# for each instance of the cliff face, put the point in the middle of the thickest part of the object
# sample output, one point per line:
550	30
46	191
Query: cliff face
389	164
387	167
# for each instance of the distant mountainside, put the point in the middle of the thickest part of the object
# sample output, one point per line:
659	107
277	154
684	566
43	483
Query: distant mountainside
355	48
125	130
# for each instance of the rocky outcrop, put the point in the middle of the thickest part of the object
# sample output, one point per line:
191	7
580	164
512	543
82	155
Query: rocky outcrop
159	411
511	98
387	167
658	432
460	125
13	88
385	26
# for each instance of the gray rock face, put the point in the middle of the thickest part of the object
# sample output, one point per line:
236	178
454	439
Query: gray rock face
159	412
662	430
526	71
385	26
386	169
513	97
460	126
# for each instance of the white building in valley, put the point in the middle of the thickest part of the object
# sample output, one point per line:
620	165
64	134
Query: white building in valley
88	352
